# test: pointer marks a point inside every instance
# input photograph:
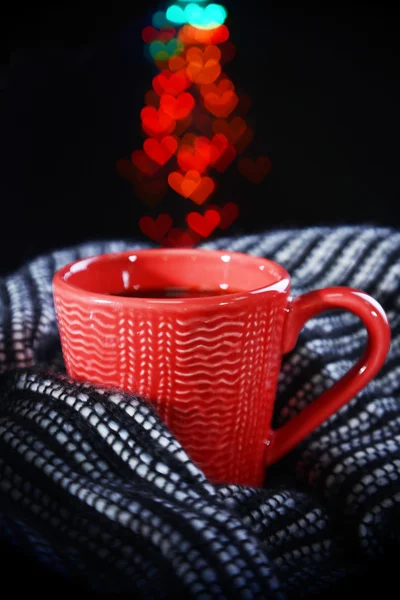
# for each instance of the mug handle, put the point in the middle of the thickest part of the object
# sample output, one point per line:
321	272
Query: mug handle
299	311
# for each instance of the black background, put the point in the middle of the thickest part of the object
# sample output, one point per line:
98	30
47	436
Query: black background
323	78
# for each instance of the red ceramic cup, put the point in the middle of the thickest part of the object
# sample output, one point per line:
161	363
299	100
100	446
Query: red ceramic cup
209	365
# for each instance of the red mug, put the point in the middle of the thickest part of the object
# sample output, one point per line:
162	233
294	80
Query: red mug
210	364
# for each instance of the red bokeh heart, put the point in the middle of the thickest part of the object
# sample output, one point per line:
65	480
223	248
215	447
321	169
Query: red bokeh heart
191	159
215	139
151	34
151	190
179	107
144	163
210	149
244	140
161	151
171	83
156	122
197	153
156	229
203	191
227	213
255	171
226	158
232	130
180	239
205	224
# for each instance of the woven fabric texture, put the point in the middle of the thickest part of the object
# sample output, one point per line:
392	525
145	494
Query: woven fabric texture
95	488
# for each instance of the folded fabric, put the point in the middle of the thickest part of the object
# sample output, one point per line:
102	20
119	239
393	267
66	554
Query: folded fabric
95	487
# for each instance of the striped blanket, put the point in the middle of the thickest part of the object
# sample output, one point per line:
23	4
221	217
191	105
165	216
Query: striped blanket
78	463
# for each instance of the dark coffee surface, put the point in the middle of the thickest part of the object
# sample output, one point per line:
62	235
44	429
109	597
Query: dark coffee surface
173	292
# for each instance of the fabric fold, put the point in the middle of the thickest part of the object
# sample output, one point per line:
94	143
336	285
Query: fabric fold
94	487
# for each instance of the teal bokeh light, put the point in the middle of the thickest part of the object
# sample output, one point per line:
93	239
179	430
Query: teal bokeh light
176	14
207	17
160	20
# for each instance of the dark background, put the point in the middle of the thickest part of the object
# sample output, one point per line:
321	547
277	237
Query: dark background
323	78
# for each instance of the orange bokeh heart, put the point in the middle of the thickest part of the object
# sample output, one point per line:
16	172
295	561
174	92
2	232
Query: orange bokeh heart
176	63
156	122
205	224
221	105
203	66
193	35
192	185
225	85
179	107
161	151
184	184
203	74
203	191
196	54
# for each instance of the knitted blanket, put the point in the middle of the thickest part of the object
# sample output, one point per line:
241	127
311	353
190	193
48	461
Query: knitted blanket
94	486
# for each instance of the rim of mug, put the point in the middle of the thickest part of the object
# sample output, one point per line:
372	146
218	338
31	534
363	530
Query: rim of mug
281	284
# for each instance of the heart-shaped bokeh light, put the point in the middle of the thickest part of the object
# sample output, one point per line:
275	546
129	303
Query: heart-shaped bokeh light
193	124
199	16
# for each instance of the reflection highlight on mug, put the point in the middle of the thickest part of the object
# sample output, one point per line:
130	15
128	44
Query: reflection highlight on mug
193	124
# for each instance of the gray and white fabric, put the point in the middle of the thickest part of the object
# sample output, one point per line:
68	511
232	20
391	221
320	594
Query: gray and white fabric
95	488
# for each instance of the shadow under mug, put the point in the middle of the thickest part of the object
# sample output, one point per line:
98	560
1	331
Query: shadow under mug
209	365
